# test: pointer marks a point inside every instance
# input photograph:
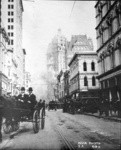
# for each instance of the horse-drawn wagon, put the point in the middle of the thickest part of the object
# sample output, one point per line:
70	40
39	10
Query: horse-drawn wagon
13	112
52	105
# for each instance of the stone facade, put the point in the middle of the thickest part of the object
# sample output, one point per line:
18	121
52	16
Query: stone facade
108	29
60	83
83	72
12	20
4	64
4	55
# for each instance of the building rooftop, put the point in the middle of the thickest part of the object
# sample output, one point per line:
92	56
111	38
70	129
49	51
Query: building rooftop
81	40
81	53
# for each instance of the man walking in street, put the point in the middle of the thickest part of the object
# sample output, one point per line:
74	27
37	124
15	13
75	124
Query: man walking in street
44	107
41	104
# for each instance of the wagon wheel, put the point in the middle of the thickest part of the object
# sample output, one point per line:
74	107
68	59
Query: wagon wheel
7	128
42	116
36	121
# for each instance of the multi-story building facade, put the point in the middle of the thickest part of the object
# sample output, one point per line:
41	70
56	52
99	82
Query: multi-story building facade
12	11
56	54
83	73
27	80
60	86
4	55
66	83
78	44
4	80
56	59
62	64
108	29
63	85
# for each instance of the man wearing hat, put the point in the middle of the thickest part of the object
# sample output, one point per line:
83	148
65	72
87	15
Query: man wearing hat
22	98
31	99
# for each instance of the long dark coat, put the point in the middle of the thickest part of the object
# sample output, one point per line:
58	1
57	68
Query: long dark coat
22	100
32	99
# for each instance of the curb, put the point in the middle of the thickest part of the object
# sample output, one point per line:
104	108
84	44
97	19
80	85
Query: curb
108	118
6	144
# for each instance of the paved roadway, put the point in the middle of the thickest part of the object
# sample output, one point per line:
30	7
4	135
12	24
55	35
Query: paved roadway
82	131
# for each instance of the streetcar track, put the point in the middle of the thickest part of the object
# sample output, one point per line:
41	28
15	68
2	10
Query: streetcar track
65	141
97	137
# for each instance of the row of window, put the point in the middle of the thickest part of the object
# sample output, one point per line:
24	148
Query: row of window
86	81
112	62
10	34
10	0
111	29
85	66
10	6
92	66
10	27
103	8
10	20
10	13
11	42
110	23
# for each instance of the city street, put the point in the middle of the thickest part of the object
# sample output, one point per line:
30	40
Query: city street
80	131
63	55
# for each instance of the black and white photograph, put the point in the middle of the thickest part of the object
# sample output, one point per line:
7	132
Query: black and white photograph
60	75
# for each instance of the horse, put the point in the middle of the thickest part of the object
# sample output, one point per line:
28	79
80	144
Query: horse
5	103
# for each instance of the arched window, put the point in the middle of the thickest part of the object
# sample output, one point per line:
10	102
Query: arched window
93	66
85	66
85	81
93	81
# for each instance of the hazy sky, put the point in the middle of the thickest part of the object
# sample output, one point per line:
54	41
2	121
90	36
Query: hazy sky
41	20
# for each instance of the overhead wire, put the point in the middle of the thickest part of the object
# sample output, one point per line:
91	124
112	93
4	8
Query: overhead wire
72	8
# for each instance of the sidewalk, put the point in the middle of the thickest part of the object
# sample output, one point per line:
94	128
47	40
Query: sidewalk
112	118
5	140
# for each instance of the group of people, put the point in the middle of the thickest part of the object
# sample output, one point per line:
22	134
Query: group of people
26	100
29	100
23	101
112	107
